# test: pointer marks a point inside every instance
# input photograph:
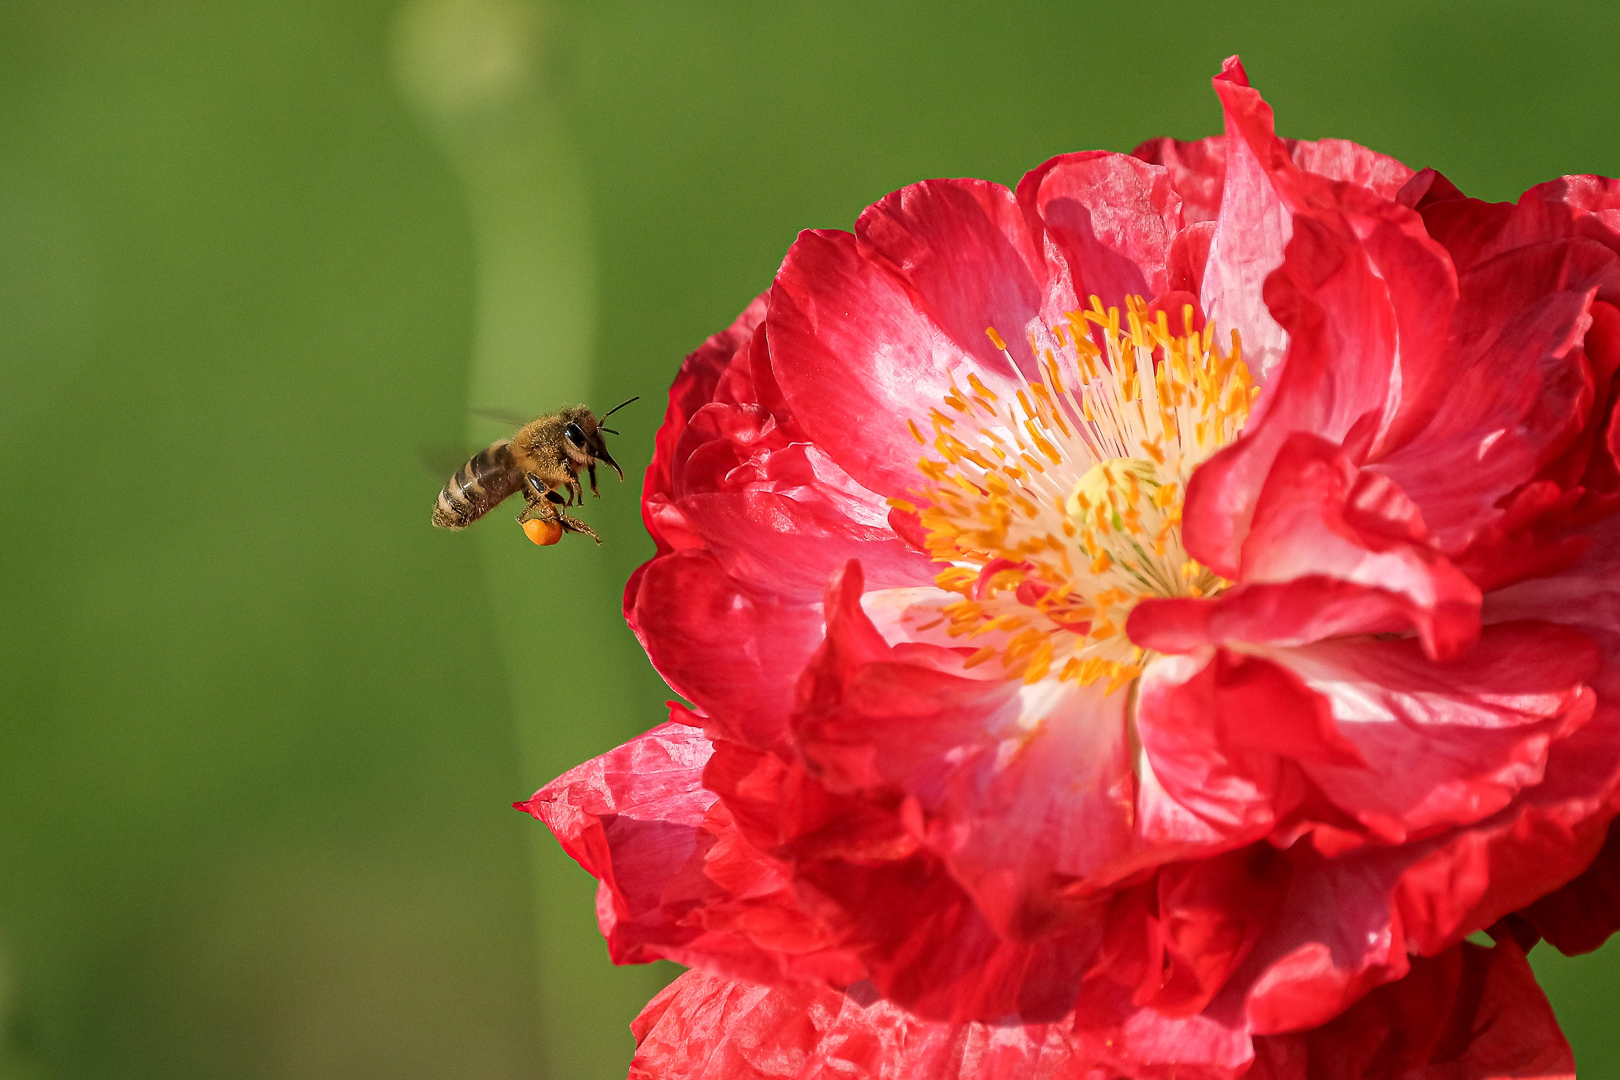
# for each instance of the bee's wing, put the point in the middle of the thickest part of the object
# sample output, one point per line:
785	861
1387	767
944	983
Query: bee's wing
502	416
442	462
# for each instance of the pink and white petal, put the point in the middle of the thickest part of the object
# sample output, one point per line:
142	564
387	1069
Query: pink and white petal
1253	226
1224	741
856	359
1198	168
1358	279
1112	220
779	545
1022	791
969	259
1443	744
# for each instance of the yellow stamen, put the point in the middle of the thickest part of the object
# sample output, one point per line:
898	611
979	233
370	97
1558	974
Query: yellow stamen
1073	485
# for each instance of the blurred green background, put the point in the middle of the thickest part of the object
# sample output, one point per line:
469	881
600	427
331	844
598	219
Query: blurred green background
262	725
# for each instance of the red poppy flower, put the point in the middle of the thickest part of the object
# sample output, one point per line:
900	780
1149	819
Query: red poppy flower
1127	620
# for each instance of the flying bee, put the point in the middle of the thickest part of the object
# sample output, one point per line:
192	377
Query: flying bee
543	460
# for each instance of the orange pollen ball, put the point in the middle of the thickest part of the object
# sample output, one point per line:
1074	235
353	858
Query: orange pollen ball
545	533
1057	508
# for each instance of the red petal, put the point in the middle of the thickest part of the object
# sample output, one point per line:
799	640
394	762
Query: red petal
1340	159
731	650
965	254
1364	295
1583	914
1347	922
1198	168
1296	612
1252	227
856	359
694	387
923	942
1516	392
1469	1014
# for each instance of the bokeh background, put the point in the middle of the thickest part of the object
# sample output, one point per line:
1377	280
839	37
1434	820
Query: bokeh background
260	725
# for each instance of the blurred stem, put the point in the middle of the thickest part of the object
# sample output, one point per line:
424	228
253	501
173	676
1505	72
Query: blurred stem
477	70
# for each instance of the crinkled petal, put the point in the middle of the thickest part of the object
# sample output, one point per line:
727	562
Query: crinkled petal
1516	391
860	872
1113	221
1470	1014
1022	792
695	386
1198	168
1296	612
705	1028
966	256
676	880
855	358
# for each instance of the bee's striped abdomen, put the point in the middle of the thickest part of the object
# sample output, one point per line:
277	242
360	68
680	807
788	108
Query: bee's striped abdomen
477	487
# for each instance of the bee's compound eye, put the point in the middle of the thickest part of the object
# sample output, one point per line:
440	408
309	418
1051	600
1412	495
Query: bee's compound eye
575	435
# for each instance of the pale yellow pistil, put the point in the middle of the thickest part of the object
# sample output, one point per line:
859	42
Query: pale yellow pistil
1059	509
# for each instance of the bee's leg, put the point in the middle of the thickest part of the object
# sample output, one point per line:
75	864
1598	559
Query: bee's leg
544	508
591	468
576	493
573	524
534	491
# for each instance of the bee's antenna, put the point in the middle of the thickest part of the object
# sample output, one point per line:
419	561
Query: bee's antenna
604	427
615	409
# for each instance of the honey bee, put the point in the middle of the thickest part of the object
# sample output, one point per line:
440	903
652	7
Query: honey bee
543	460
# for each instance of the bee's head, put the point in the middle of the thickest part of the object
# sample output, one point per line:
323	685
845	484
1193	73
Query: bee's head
583	439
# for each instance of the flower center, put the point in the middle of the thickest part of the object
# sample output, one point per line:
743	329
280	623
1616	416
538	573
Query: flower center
1059	509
